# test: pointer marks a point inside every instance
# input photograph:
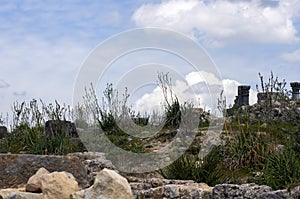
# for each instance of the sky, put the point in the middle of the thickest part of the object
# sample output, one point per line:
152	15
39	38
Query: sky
44	43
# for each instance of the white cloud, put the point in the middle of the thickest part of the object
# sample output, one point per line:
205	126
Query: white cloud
200	93
231	90
292	57
202	76
223	20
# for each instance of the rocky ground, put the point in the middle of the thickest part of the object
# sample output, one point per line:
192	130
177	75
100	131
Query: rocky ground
90	176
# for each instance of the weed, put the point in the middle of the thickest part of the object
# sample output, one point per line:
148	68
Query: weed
189	167
282	170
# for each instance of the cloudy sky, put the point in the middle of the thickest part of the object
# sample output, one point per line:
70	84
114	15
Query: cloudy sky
43	43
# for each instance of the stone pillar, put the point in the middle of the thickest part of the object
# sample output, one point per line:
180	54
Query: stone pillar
295	90
243	95
3	131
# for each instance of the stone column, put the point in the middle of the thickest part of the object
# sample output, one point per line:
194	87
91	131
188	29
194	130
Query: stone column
243	95
295	90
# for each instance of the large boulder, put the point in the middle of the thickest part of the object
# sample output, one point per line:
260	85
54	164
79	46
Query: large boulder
34	183
16	169
58	185
108	185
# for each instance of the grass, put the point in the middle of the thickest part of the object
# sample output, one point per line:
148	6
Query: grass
190	167
282	170
250	154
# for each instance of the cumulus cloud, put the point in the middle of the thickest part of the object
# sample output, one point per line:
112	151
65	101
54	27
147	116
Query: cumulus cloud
224	20
196	90
197	77
292	57
230	91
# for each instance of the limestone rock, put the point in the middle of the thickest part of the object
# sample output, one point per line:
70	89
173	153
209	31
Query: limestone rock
163	188
108	185
25	195
58	185
279	194
239	191
4	193
94	162
34	182
16	169
178	191
295	192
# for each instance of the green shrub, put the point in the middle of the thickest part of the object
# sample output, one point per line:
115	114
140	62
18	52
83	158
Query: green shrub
183	168
173	114
282	170
32	140
127	143
188	167
59	144
250	150
13	142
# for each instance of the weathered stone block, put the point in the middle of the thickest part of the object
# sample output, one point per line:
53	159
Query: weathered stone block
295	90
16	169
55	127
3	131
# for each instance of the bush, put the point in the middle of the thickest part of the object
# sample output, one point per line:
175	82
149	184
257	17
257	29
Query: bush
59	144
189	167
250	150
127	143
282	170
14	142
28	130
173	114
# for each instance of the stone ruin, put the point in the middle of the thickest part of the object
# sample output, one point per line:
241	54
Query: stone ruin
55	127
3	131
242	99
143	121
278	107
243	95
263	96
295	90
58	177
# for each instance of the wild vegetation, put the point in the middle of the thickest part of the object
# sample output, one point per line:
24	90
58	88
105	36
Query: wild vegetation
258	146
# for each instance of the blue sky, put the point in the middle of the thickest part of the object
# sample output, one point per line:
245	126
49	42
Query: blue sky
43	43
